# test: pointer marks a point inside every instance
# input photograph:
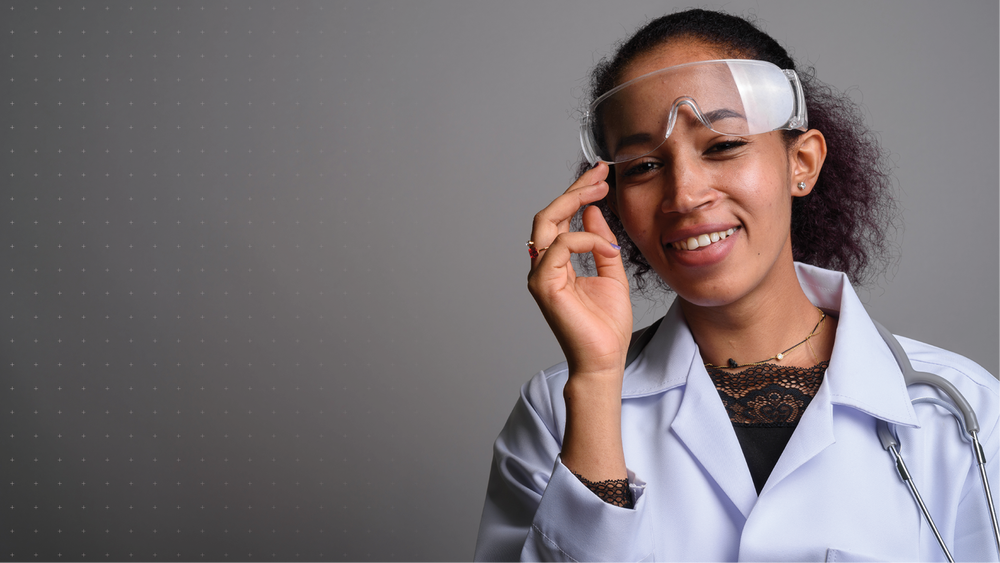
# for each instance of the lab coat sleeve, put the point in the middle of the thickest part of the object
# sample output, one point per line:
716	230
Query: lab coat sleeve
974	539
536	509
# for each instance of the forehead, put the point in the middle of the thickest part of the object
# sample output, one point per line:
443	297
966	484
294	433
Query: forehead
672	53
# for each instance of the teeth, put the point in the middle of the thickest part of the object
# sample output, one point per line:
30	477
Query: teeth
699	241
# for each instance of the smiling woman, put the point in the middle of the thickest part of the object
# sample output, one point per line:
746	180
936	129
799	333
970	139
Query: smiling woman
755	194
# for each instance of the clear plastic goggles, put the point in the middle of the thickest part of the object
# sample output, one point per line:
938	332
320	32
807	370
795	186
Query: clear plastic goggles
731	97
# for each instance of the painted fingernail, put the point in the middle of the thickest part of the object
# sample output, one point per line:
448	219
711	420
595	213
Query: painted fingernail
615	246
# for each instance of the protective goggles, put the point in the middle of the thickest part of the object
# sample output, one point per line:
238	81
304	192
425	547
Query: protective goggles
731	97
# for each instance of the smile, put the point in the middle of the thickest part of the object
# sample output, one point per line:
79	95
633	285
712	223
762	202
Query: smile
701	241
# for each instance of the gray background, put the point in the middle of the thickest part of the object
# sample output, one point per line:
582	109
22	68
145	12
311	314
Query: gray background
262	263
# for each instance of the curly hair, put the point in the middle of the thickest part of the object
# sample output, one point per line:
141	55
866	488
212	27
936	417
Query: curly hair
842	224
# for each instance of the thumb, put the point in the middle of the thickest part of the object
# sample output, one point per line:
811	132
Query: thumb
607	258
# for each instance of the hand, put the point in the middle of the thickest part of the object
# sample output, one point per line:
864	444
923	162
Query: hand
590	316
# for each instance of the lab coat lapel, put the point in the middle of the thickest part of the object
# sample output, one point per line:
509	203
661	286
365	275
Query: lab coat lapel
813	434
706	431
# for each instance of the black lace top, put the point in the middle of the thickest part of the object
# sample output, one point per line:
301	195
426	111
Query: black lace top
765	404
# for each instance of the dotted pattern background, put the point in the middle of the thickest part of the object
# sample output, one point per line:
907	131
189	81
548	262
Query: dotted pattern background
174	315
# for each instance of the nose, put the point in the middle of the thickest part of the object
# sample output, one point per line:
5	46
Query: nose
686	186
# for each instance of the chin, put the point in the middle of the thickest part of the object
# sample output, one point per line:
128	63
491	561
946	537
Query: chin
700	300
707	293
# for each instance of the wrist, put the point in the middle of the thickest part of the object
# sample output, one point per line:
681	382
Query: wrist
592	443
593	397
588	382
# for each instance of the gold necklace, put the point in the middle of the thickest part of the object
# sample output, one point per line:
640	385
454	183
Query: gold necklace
731	364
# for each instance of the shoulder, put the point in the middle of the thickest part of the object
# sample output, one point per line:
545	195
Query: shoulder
543	393
540	409
547	382
955	367
979	387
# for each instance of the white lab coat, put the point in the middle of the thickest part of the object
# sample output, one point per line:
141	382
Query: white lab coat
834	494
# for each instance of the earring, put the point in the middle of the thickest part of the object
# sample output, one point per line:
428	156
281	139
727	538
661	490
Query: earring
802	185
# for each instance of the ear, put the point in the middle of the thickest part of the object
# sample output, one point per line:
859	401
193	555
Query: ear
805	157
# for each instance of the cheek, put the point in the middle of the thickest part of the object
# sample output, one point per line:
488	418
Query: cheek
765	196
636	212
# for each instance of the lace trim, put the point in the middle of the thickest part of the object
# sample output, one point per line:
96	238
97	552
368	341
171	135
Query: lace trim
612	491
768	395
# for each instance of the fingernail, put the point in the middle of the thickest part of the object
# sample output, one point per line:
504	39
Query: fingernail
615	246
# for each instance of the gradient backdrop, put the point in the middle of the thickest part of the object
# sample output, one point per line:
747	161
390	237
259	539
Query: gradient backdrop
262	263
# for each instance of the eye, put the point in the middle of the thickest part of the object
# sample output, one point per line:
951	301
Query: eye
725	146
638	168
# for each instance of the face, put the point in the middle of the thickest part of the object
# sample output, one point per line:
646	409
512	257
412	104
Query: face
710	212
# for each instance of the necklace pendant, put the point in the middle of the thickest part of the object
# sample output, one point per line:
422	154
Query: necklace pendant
733	364
779	356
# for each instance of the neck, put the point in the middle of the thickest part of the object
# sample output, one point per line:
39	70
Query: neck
759	326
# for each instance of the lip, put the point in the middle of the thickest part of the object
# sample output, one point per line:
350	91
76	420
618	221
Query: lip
705	256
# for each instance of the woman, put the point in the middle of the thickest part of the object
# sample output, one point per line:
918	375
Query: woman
745	428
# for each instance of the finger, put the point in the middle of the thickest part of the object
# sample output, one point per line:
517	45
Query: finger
597	173
594	222
591	182
607	259
554	262
555	218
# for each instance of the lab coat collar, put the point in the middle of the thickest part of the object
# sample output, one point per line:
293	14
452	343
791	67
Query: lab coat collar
665	361
862	373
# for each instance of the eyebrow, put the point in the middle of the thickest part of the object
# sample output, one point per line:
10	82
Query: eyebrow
712	116
633	139
724	113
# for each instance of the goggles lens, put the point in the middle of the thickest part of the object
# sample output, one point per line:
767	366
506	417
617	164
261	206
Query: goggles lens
731	97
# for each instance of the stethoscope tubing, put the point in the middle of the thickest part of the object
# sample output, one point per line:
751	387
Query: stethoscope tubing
968	423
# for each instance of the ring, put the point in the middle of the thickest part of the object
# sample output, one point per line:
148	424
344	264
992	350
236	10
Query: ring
532	251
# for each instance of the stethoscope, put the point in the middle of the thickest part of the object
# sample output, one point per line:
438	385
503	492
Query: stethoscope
959	408
963	413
